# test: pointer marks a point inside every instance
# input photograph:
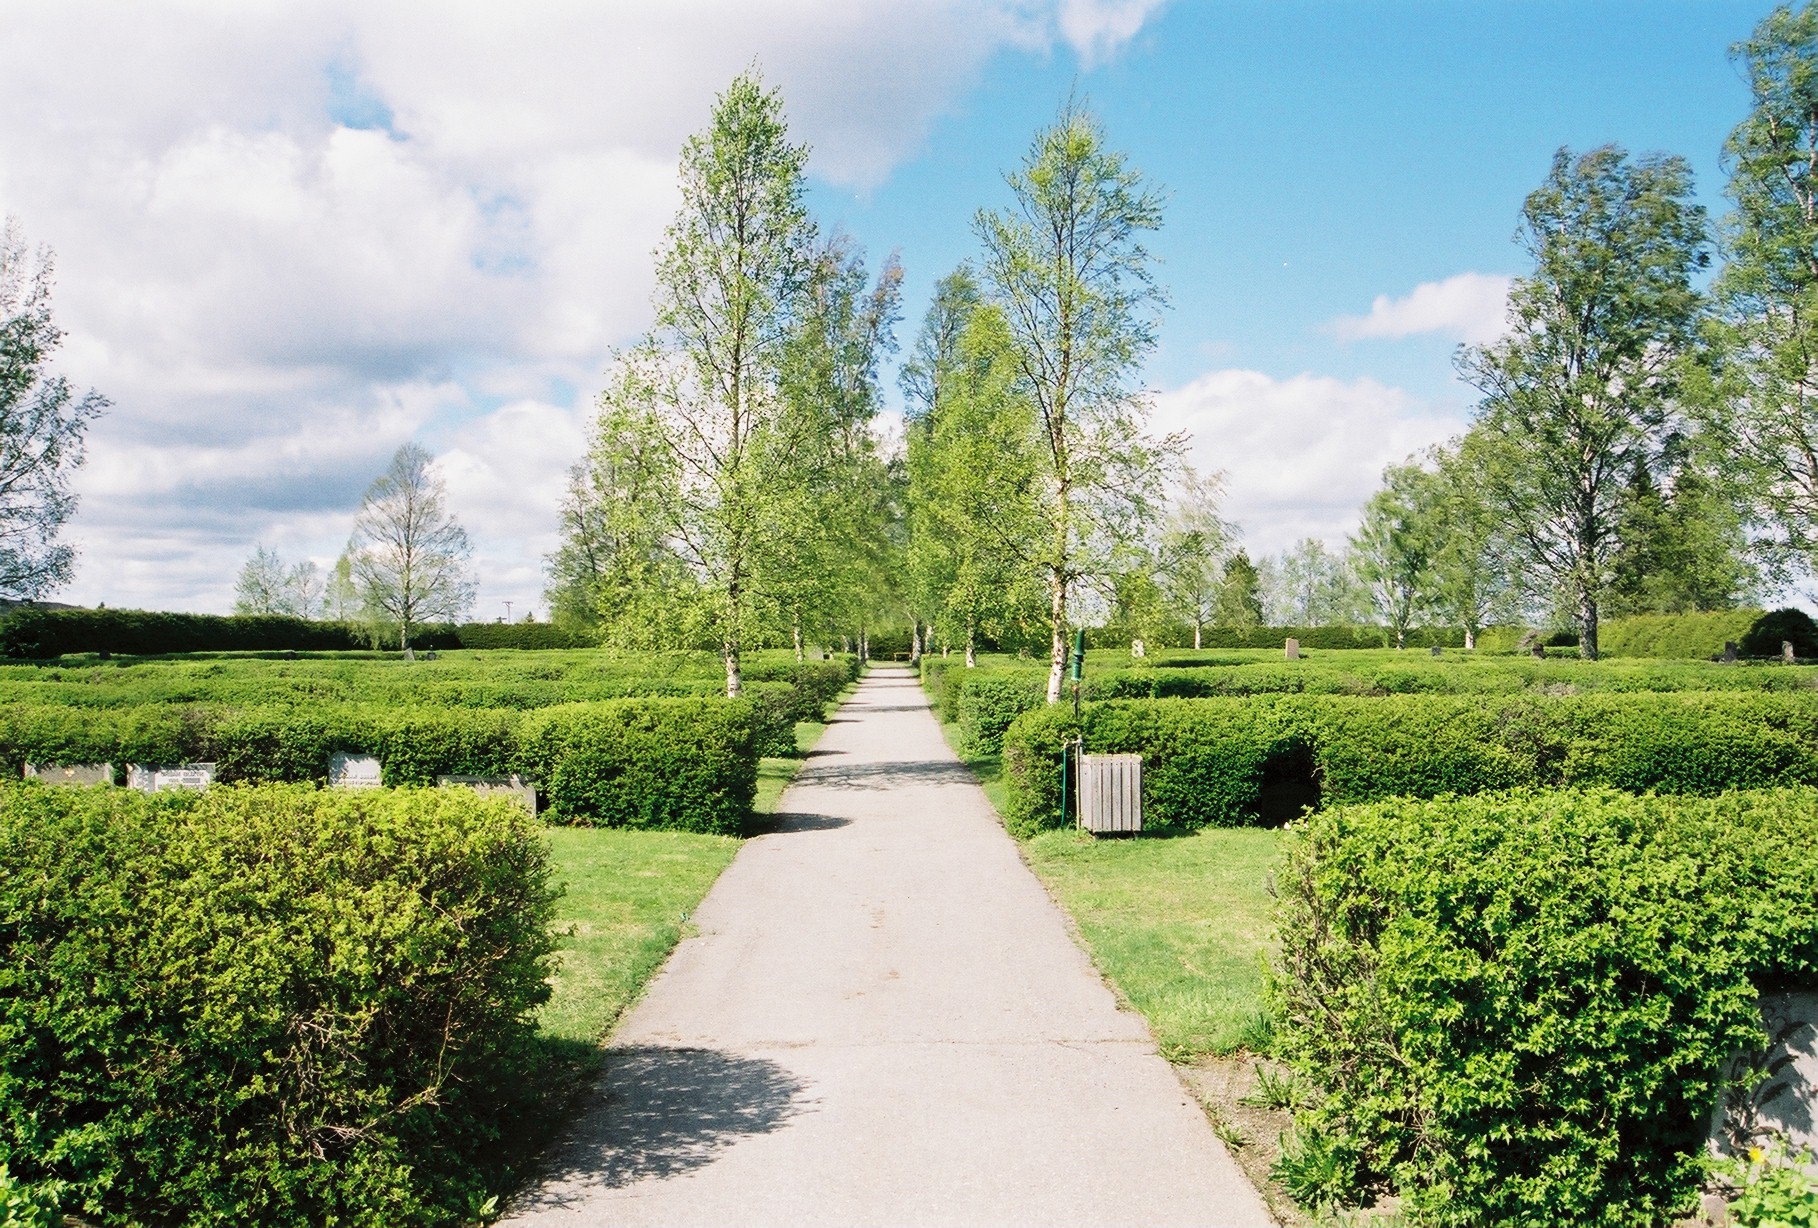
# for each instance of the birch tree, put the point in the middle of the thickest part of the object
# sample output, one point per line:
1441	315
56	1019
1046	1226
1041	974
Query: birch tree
730	274
1584	387
408	553
1066	264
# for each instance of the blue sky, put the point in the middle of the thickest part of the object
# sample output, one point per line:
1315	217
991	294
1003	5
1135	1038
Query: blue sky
292	237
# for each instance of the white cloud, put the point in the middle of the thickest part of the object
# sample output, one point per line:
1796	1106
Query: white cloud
1097	28
1301	454
292	236
1466	306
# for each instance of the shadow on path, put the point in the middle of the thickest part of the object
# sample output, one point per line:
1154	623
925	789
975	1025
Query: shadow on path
886	775
666	1111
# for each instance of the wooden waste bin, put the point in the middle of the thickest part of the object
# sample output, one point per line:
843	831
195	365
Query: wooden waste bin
1111	792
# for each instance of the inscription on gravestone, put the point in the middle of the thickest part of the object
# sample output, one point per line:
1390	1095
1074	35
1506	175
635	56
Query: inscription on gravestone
71	773
148	778
1291	650
514	787
354	772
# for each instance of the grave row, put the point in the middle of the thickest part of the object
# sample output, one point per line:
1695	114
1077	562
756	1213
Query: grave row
344	772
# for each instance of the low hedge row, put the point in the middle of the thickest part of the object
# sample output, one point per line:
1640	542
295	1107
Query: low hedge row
1230	762
984	701
275	1005
683	764
1514	1008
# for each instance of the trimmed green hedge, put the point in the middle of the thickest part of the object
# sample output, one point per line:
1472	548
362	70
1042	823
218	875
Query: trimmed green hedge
36	634
1697	637
1219	761
687	764
1514	1008
275	1006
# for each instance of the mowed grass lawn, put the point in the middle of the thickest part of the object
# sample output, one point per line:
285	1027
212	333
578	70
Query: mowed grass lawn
628	896
1180	924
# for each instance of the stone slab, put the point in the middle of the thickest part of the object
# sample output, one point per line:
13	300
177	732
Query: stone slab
354	772
514	787
148	778
71	773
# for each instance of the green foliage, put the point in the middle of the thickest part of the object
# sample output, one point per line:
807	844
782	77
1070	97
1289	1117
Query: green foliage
1582	389
984	702
37	634
1698	637
1771	1188
1225	762
688	764
29	1206
1763	408
1789	626
1515	1008
279	1006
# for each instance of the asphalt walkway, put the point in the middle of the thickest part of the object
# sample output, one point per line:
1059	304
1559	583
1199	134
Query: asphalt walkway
883	1020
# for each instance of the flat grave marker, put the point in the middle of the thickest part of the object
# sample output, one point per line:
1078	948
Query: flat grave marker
513	786
71	773
354	771
156	778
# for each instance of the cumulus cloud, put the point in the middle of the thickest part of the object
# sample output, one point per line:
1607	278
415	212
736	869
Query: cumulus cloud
1466	306
1301	454
292	237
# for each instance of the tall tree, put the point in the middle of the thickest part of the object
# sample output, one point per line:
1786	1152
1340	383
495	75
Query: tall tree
408	553
971	484
1584	386
1392	550
42	426
1067	266
1240	593
260	588
704	386
1193	539
1684	545
1766	407
1472	583
1316	588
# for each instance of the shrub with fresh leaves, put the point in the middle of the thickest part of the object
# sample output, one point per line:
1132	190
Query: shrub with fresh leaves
274	1006
1515	1008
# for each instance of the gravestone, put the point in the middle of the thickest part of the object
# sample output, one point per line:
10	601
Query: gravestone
1729	651
1786	651
353	772
1291	650
1137	649
410	654
1437	650
431	655
150	778
71	773
513	786
1773	1092
1539	650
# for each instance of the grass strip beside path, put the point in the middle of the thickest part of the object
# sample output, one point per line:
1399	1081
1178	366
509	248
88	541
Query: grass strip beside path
1180	924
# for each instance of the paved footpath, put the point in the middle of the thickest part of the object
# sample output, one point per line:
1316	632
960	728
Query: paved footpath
883	1020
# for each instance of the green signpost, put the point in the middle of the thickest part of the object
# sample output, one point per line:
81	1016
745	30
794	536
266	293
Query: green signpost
1076	668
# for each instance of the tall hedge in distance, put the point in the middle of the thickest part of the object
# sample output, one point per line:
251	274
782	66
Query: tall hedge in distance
1697	637
277	1006
1515	1008
37	634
